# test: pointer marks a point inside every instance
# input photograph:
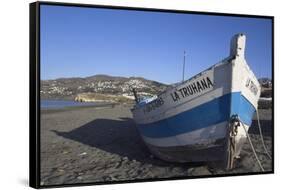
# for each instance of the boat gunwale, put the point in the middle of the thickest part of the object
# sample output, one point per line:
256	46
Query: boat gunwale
171	87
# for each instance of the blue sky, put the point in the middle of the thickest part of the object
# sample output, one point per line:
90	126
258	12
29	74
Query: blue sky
80	42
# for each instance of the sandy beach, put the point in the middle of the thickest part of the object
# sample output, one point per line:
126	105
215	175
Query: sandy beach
99	144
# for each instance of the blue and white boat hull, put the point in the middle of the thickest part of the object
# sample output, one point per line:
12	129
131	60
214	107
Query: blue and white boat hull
190	121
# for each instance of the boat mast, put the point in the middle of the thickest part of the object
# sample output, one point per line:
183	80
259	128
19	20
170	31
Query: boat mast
183	66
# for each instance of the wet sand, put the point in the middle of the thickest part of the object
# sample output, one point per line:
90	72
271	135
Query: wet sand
99	144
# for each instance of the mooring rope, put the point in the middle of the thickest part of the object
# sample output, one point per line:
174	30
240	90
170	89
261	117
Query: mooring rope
261	136
251	144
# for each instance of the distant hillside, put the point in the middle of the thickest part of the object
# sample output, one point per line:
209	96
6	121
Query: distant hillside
265	101
266	87
73	88
265	82
97	86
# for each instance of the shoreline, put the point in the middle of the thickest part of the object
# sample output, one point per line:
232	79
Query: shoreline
87	105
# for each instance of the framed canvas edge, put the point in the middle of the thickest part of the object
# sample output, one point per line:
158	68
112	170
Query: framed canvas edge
34	96
34	91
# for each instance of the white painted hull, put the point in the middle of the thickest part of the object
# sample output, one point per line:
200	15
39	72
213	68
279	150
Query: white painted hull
190	122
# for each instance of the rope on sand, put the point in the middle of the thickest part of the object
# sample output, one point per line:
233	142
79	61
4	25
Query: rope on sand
261	136
251	144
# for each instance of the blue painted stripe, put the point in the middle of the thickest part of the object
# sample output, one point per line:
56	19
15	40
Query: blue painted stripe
210	113
242	107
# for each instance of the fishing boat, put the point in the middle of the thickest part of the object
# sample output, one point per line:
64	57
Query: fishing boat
204	118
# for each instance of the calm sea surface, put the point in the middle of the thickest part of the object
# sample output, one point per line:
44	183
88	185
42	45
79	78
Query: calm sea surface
49	104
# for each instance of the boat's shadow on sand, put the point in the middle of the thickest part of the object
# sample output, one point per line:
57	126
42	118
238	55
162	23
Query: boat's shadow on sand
118	137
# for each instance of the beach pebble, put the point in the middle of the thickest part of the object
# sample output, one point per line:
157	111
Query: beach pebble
203	170
80	177
190	170
60	170
82	154
125	159
112	177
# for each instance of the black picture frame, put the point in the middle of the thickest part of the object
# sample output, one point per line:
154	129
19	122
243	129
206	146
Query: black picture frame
34	93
